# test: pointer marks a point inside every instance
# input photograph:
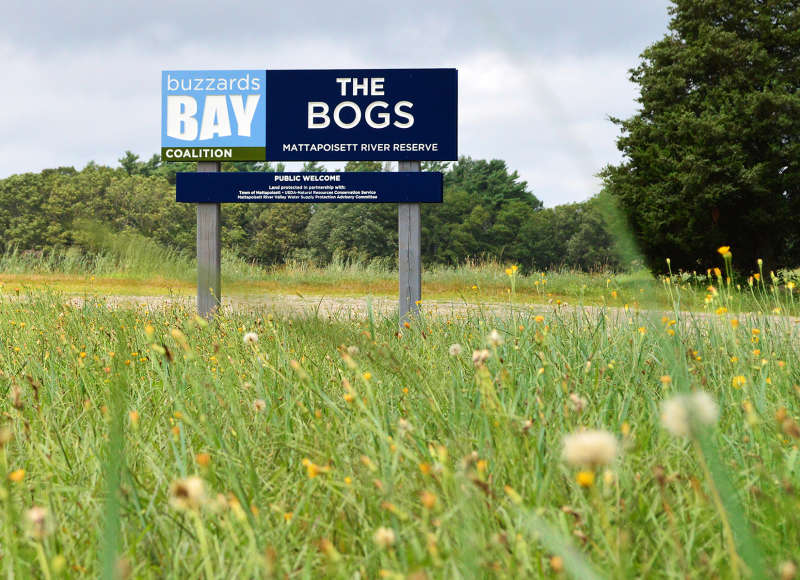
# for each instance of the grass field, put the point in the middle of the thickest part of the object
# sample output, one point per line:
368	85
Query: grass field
154	444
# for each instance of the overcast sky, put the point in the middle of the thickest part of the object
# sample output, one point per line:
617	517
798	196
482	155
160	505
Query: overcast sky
537	78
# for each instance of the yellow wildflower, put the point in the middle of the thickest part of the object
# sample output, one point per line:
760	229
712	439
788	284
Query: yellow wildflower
585	478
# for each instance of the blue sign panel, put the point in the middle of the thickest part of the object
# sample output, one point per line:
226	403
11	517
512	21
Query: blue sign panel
308	115
373	115
305	187
213	115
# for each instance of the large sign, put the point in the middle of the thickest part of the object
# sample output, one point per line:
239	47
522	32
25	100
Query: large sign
305	187
307	115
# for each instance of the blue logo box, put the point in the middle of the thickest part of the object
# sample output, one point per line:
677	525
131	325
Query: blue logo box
213	109
309	187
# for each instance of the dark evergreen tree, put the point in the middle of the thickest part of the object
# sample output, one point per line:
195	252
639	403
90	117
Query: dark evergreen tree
363	166
490	180
713	156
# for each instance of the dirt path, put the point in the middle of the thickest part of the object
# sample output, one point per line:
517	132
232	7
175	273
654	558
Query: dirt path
315	305
350	308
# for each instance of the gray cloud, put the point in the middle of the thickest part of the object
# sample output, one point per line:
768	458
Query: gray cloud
540	25
537	79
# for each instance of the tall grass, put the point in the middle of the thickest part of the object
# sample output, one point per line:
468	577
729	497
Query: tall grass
128	256
344	447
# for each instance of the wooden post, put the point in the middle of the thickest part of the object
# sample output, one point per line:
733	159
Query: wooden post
409	232
209	278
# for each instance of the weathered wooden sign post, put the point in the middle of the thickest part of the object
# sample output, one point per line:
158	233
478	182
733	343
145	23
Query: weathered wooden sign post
409	257
408	115
209	250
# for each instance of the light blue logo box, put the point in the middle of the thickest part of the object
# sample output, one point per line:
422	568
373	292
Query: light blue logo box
200	108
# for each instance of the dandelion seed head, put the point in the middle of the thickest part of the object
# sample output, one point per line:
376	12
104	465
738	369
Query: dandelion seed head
704	407
455	349
6	435
384	537
479	357
250	338
675	417
578	402
37	520
403	427
678	412
787	570
187	494
590	448
259	405
494	338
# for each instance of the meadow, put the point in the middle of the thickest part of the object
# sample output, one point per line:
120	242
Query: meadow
611	442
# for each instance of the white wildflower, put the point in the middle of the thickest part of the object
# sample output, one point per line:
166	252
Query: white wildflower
479	357
787	570
38	523
250	338
187	494
578	402
590	448
678	412
455	349
384	537
494	338
403	427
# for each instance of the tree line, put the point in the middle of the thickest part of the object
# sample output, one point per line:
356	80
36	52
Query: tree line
488	213
712	157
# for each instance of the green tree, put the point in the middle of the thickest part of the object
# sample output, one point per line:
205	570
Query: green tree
275	231
132	166
253	166
353	231
713	156
313	166
363	166
489	180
